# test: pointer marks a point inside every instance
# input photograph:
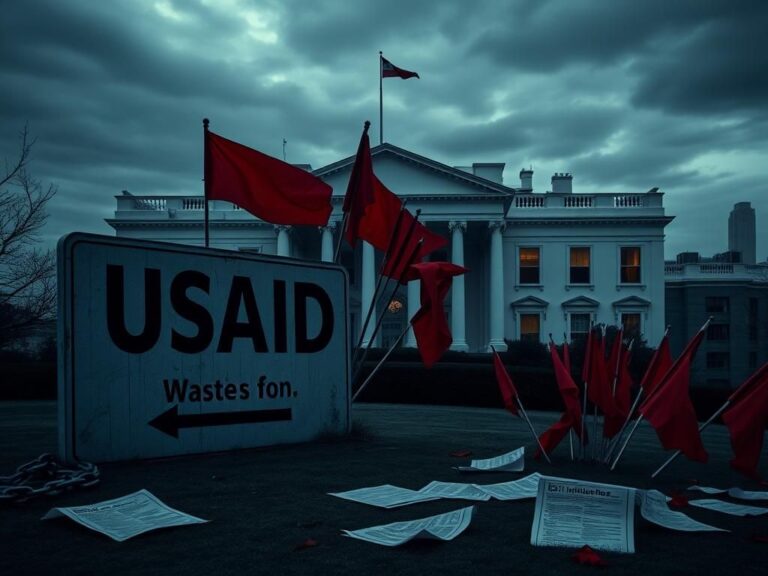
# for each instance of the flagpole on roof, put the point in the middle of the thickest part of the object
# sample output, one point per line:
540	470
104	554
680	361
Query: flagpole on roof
206	179
381	100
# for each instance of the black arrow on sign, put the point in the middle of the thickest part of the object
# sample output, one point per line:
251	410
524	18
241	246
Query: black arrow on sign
170	421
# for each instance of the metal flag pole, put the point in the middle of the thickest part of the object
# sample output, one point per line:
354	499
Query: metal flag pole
701	428
528	421
624	446
206	179
583	450
381	99
284	143
381	362
375	296
380	319
342	231
570	431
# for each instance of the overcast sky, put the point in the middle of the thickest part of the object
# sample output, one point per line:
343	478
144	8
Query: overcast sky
626	95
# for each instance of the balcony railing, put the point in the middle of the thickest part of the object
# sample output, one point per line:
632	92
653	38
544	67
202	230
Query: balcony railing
586	201
708	270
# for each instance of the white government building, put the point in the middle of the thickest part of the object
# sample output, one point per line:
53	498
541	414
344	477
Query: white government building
539	262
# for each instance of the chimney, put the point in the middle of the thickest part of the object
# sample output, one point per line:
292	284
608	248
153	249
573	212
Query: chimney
526	180
489	170
562	183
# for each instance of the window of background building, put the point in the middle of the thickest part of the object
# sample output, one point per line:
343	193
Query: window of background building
716	304
530	327
529	266
631	323
579	326
630	265
579	265
718	360
752	319
718	332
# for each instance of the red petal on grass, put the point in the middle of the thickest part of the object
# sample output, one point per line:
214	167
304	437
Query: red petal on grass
461	453
587	555
308	543
678	501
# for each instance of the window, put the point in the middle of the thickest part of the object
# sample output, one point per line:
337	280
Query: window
718	332
579	326
630	265
530	327
579	265
718	360
529	266
716	304
631	323
752	319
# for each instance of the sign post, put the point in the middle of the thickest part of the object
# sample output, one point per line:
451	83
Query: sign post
167	349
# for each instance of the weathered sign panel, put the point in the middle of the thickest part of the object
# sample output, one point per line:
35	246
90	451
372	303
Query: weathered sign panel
167	349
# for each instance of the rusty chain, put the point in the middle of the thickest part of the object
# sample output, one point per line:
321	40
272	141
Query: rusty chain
46	476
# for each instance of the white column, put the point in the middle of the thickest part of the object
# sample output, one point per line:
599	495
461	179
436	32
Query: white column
283	240
414	303
367	288
326	250
496	289
458	315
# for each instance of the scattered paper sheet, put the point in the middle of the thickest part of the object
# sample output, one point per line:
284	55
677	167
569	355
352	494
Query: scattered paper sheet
573	513
510	462
455	490
385	496
729	507
526	487
747	495
126	517
707	489
441	527
654	509
732	492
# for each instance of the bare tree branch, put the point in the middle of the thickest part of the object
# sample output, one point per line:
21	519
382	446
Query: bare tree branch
27	274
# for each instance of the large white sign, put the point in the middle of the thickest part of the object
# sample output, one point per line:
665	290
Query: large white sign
167	349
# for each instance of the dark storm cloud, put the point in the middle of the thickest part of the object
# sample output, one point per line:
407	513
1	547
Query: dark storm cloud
624	95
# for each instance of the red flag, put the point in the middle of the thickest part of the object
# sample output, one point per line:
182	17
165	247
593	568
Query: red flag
571	418
600	391
566	357
746	420
389	70
433	336
622	399
378	224
266	187
360	190
506	386
669	409
587	365
660	363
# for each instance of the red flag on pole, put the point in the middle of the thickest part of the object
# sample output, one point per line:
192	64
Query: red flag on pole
566	357
268	188
622	399
571	418
389	70
506	386
746	420
600	391
378	224
669	410
360	189
433	336
660	363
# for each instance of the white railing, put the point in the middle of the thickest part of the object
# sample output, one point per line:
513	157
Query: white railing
529	201
674	269
716	268
634	201
149	204
706	270
577	201
195	203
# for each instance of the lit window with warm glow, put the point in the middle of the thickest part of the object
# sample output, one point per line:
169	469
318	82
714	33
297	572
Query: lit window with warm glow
630	265
529	266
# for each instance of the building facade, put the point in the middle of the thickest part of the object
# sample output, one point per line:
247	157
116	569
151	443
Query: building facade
736	297
539	263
